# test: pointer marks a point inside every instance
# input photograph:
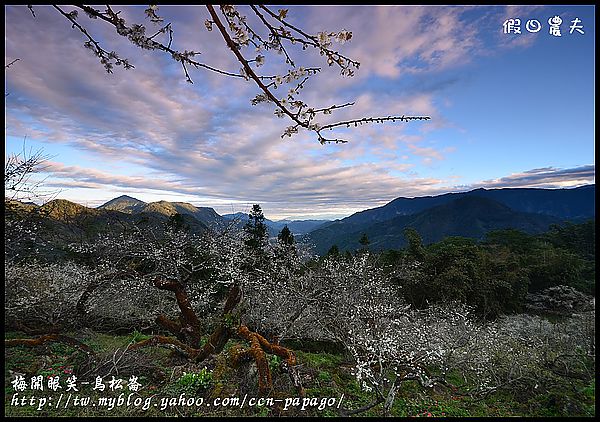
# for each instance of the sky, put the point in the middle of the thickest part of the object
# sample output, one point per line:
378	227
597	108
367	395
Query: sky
507	109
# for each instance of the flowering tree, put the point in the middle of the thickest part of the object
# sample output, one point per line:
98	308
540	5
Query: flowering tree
254	37
354	302
42	295
203	272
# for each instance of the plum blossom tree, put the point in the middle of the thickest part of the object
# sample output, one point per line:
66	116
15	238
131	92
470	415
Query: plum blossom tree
350	300
42	294
359	305
203	272
353	302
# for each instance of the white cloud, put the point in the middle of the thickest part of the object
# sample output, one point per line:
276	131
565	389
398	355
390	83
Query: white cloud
205	142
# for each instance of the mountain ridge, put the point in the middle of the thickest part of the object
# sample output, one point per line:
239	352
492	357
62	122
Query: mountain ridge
407	206
511	207
528	209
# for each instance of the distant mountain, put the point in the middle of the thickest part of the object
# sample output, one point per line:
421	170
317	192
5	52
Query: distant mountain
469	214
301	226
66	211
60	222
14	205
205	215
242	216
125	204
297	227
567	204
83	221
128	205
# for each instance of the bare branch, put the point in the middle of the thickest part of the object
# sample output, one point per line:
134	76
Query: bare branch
49	338
18	169
106	58
241	34
136	36
281	108
314	41
11	63
247	67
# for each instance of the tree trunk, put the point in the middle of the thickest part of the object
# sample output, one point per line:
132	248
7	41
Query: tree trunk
190	325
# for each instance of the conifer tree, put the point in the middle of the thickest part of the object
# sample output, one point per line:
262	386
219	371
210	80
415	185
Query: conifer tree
256	234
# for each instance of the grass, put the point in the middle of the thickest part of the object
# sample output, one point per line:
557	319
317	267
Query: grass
325	375
320	360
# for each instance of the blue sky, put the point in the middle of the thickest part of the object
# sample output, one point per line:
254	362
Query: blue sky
507	110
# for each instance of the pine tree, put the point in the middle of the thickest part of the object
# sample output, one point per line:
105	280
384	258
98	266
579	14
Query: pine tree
334	251
256	234
415	247
285	236
364	242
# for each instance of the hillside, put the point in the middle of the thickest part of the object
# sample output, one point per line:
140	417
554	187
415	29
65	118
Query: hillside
66	211
60	222
567	204
206	216
468	216
530	210
125	204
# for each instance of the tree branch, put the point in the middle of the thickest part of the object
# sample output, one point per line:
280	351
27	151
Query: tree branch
189	321
282	108
11	63
190	352
49	338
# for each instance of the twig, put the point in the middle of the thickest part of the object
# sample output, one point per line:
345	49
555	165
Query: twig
11	63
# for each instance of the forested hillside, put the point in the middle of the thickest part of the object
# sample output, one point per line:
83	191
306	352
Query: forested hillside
469	214
457	327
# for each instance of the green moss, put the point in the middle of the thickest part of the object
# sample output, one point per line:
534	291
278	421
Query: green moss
274	362
194	381
319	360
14	334
324	376
18	359
136	337
102	342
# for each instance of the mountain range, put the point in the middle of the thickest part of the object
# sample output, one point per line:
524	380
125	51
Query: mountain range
297	227
470	214
206	215
127	204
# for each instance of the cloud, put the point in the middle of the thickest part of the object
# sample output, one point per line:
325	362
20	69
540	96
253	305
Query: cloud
428	154
193	140
547	177
96	179
317	192
149	131
447	39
